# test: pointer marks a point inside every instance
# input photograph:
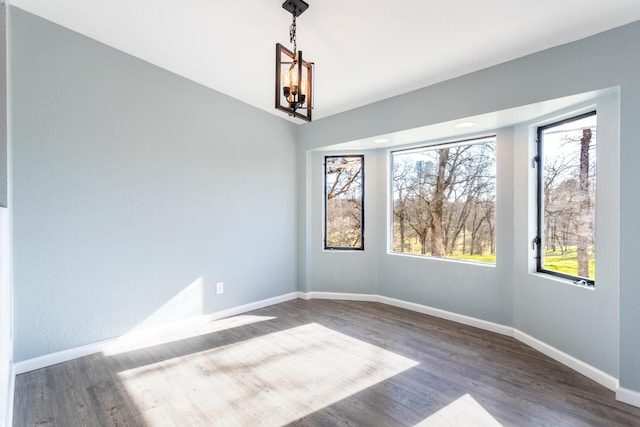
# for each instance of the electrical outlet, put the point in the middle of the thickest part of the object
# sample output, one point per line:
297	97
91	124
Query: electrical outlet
220	288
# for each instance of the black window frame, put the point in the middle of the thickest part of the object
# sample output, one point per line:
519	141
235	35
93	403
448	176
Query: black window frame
362	189
537	241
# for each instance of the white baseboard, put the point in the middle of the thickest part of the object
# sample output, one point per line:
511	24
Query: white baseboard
624	395
459	318
234	311
448	315
339	296
627	396
60	356
585	369
86	350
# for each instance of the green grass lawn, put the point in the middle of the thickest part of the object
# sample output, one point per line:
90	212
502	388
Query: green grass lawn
477	258
568	263
415	250
563	263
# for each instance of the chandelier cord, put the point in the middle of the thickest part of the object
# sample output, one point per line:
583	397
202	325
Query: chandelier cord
292	34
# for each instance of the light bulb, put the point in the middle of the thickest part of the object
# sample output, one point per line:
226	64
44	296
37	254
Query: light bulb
286	81
294	78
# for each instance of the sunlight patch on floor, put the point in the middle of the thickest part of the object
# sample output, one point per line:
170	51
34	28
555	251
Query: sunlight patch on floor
464	411
180	331
273	379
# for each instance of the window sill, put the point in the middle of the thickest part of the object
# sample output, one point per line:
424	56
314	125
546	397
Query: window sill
342	251
442	259
572	283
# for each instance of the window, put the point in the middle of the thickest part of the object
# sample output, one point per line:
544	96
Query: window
344	202
444	200
566	197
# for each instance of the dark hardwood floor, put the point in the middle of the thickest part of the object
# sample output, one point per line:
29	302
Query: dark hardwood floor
318	363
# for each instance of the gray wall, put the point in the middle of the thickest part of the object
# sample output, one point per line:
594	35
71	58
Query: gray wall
344	271
606	60
584	323
135	192
5	247
482	291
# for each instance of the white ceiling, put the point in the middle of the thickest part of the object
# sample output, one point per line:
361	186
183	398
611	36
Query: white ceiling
364	50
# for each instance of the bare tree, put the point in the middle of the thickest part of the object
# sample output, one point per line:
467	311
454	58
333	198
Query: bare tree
584	213
344	201
443	180
569	194
401	189
559	192
435	192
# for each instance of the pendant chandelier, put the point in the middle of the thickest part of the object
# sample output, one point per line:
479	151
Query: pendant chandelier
294	76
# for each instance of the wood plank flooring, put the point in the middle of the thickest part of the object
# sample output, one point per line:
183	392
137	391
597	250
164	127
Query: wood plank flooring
319	363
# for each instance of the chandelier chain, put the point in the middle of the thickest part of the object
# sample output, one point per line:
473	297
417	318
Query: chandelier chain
292	35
